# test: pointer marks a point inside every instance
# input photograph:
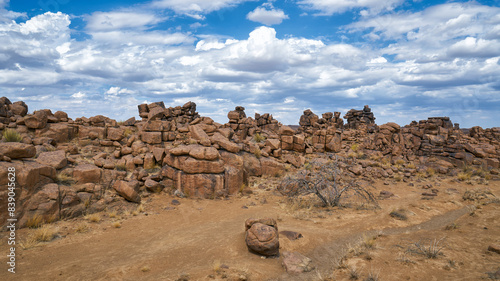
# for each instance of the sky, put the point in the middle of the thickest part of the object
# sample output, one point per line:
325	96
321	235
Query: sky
407	59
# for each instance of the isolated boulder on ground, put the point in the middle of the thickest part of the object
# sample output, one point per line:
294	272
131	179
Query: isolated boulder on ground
262	236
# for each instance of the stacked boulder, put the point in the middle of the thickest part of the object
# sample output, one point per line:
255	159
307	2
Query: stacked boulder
357	118
266	122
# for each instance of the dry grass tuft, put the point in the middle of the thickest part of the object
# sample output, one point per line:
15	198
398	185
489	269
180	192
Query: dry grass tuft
35	221
10	135
82	227
95	217
45	233
145	268
116	224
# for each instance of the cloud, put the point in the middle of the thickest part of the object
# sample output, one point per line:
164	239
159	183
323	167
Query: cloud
110	21
330	7
266	16
196	8
446	54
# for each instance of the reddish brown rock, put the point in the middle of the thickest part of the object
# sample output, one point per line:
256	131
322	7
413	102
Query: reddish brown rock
87	173
18	108
201	185
151	137
115	134
262	236
494	248
224	143
61	116
38	120
296	263
271	167
291	235
56	159
17	150
128	190
153	185
198	134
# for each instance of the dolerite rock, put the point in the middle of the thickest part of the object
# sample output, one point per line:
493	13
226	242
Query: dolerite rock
56	159
128	190
17	150
87	173
295	262
36	121
262	236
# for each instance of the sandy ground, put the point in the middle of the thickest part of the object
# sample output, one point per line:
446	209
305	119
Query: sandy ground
204	239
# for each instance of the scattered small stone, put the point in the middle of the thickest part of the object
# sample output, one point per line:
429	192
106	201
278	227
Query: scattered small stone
244	207
169	208
452	190
427	186
179	193
291	235
263	201
384	194
411	184
175	202
434	190
386	183
494	248
428	194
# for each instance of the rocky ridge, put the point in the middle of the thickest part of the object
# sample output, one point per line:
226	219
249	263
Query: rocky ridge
66	168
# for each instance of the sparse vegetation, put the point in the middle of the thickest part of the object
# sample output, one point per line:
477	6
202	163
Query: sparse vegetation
432	251
369	241
116	224
430	172
65	179
354	272
10	135
35	221
259	137
145	268
464	176
95	217
82	227
257	153
328	183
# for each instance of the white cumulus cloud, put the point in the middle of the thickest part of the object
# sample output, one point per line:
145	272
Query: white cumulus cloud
267	16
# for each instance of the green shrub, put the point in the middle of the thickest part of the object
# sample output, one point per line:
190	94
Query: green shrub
10	135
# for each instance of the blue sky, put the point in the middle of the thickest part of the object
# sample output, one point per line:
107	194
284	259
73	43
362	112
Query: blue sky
408	60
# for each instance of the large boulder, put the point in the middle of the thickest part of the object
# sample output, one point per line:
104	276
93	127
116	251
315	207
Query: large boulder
56	159
128	190
86	173
19	108
225	143
17	150
262	236
38	120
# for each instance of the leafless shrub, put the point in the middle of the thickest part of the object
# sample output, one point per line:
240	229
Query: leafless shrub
431	251
327	180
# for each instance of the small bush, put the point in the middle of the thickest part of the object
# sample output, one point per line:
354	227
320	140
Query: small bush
45	233
430	172
464	176
113	214
35	221
451	226
258	137
82	227
354	273
257	153
116	224
10	135
355	147
369	241
399	162
95	217
65	179
432	251
145	268
127	132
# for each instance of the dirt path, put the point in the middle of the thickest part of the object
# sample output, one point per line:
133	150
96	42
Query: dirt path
326	255
198	234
